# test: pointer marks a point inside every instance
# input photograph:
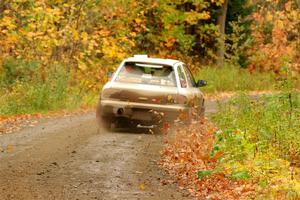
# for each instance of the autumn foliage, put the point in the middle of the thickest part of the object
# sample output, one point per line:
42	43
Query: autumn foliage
276	36
190	159
55	54
91	37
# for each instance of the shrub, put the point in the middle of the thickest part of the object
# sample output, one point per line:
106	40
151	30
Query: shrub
261	136
25	90
14	70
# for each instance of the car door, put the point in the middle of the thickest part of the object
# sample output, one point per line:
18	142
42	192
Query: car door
187	86
196	96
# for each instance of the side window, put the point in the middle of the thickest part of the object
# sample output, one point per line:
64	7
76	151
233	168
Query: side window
189	76
182	78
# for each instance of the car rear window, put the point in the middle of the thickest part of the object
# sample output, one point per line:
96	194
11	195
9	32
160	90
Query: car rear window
147	73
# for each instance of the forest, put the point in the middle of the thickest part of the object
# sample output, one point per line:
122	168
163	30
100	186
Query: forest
56	54
67	47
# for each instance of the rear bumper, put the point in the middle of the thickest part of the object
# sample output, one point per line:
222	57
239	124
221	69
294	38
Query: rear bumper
140	111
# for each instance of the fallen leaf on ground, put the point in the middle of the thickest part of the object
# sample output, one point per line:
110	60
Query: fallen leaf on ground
142	186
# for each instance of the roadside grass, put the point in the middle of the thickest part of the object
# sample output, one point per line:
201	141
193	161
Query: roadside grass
24	90
26	98
260	140
232	78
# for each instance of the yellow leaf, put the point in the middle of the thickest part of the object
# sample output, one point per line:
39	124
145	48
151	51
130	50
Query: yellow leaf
288	6
138	20
269	17
10	148
280	24
82	65
142	186
75	35
133	34
84	36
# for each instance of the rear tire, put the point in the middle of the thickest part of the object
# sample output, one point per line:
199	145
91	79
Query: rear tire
202	113
104	123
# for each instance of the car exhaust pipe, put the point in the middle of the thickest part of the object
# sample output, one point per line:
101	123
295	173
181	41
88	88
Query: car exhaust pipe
144	126
120	111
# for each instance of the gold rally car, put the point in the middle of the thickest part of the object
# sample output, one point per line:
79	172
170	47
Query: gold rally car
148	92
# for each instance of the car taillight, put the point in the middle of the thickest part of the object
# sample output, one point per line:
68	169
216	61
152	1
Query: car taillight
156	100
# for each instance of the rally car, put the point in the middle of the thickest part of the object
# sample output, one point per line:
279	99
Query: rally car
148	92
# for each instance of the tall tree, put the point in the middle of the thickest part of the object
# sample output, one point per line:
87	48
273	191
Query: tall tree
221	22
238	32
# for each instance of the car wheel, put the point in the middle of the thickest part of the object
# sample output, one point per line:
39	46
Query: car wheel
157	130
197	115
104	123
202	113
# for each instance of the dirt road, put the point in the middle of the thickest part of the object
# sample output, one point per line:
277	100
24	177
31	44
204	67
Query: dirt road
67	158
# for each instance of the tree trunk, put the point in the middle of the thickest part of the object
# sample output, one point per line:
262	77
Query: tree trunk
221	21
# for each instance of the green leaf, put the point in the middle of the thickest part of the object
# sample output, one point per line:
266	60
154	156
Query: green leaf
240	175
203	173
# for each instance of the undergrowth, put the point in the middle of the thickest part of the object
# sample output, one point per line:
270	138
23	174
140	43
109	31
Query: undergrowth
187	158
251	152
25	90
260	140
233	78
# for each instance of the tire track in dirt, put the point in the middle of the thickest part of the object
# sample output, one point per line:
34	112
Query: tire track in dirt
67	158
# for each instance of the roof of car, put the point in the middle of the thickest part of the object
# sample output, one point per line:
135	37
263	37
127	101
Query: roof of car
146	59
